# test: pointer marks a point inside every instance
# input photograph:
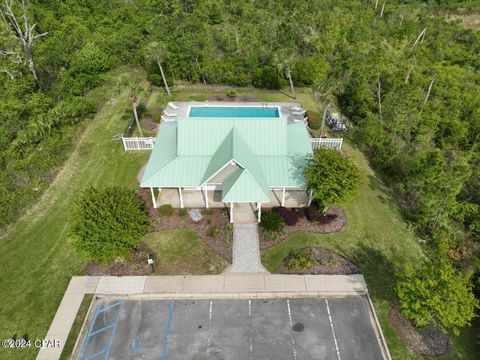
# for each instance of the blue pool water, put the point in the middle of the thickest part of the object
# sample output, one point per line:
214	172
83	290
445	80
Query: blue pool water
234	112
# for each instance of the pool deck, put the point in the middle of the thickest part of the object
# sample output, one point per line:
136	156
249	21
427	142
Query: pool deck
184	108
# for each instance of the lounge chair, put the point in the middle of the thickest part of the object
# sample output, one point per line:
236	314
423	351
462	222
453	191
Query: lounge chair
167	119
165	112
296	108
173	106
300	112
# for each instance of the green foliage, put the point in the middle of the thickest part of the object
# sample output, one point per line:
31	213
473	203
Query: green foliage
271	222
90	60
182	212
331	176
165	210
314	120
155	79
157	118
232	93
206	212
300	259
213	231
437	293
108	222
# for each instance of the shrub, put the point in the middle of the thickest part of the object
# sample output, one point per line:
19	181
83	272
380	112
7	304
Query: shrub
182	212
155	79
213	231
331	176
314	120
301	259
165	210
290	217
157	118
271	222
437	293
206	212
232	93
108	222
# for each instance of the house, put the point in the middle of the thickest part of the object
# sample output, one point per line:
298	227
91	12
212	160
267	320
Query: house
223	161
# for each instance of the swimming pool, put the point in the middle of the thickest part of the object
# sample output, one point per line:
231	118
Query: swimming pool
234	111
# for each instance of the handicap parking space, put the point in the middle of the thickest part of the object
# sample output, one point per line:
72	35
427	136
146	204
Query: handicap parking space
309	328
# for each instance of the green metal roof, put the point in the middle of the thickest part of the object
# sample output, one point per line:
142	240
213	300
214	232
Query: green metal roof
241	186
270	152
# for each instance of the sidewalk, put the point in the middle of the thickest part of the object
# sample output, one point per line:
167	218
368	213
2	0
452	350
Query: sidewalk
234	286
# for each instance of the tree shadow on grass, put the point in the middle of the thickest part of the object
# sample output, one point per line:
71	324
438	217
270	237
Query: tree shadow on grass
378	270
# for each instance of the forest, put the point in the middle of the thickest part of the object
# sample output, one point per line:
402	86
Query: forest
407	81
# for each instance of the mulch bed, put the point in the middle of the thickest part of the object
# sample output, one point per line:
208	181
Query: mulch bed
428	341
333	221
329	262
137	265
221	243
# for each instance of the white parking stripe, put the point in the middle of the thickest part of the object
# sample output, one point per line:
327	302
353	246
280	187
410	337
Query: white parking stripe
333	330
291	324
209	327
250	316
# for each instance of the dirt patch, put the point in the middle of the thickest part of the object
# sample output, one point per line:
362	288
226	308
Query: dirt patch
334	220
148	123
135	266
327	262
239	98
427	342
214	229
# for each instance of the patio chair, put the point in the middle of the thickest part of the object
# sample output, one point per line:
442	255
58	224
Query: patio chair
173	106
167	119
296	108
169	114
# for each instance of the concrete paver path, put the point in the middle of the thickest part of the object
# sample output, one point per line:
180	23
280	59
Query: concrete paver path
246	250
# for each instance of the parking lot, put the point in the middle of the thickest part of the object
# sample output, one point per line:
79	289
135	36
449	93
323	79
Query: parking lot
326	328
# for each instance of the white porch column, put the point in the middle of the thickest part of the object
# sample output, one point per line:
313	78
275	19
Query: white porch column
231	212
180	196
283	196
206	196
259	208
154	202
310	194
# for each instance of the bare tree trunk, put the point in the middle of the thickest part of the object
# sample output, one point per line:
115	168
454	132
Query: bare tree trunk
237	40
379	97
289	75
324	116
200	70
163	77
421	36
429	90
401	20
383	8
135	114
376	4
31	64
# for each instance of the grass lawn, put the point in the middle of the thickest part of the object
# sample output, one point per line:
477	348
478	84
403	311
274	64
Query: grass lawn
378	240
180	252
36	259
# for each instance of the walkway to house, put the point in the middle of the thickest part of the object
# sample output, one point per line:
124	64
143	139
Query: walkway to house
246	250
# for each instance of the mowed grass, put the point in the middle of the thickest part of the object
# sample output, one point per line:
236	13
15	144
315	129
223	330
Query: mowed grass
180	252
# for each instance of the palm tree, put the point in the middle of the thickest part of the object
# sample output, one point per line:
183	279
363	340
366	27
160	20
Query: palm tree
133	83
284	61
326	91
157	52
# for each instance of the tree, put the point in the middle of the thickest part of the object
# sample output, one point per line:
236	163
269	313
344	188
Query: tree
331	176
284	62
24	32
108	222
157	51
133	83
326	91
437	293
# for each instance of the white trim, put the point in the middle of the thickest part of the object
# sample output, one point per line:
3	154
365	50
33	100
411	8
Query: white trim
180	196
283	196
231	212
310	194
259	207
223	167
154	202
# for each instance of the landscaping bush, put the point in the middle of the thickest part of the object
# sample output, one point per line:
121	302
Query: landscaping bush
155	79
213	231
271	222
301	259
165	210
108	222
314	120
232	93
290	217
182	212
206	212
157	118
